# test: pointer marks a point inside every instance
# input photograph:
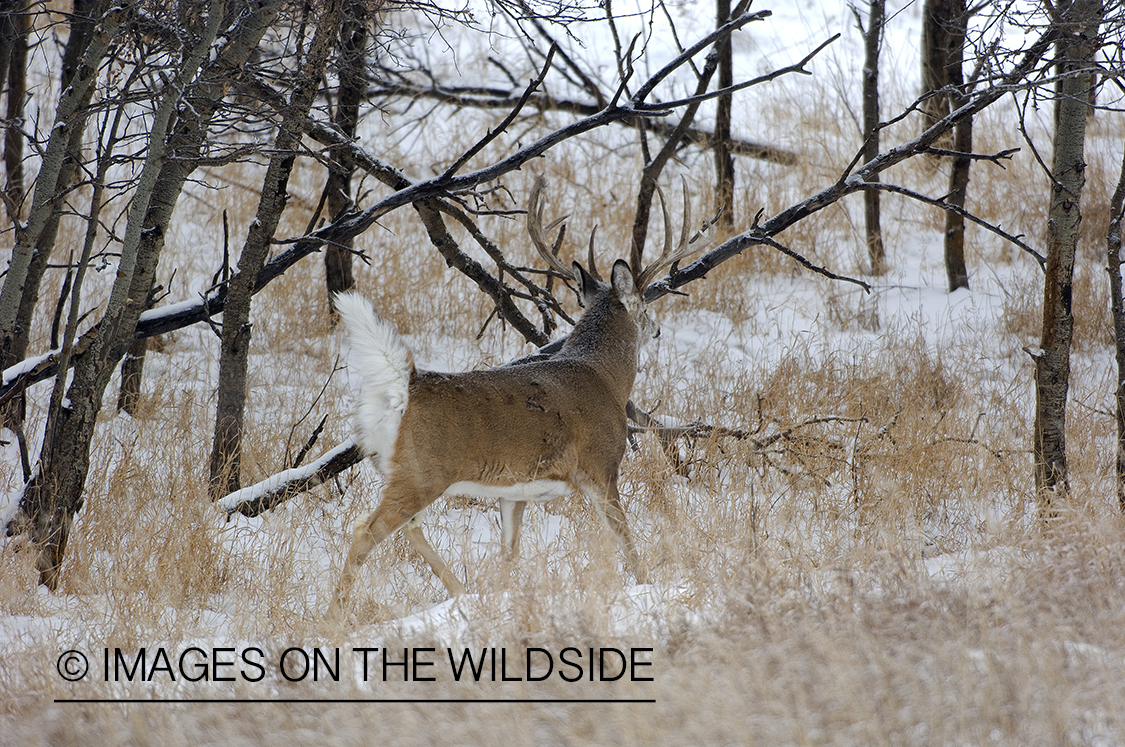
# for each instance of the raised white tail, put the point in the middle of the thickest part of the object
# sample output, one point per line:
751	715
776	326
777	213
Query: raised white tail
382	364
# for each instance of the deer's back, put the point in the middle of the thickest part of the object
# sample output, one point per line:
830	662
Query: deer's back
509	425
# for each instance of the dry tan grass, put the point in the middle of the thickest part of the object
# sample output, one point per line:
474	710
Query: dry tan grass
849	654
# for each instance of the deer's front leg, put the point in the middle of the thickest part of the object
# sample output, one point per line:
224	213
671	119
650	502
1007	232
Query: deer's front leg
511	519
609	501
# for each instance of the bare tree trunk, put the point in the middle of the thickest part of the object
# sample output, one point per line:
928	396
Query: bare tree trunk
1117	308
955	269
724	159
83	22
36	238
872	39
16	26
1081	19
133	367
352	59
230	411
132	373
954	23
8	33
935	54
55	495
944	23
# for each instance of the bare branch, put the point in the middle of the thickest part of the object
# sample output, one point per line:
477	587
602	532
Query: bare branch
993	157
797	67
809	265
723	31
950	207
503	126
544	103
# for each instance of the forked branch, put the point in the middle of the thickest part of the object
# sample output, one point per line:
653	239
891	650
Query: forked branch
945	205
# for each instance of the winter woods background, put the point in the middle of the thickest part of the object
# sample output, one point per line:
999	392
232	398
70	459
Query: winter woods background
886	431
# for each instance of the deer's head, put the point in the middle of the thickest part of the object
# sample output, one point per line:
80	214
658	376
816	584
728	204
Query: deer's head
627	284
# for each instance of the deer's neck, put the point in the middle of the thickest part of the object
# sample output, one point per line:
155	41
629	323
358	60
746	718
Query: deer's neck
606	339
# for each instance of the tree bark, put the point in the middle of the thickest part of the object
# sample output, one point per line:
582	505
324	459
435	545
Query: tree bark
955	270
133	368
83	22
724	159
36	238
55	495
16	27
352	59
1117	309
944	23
132	373
230	409
872	41
952	17
1080	20
937	43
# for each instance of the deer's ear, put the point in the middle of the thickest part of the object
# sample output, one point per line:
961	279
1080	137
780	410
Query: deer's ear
587	285
622	280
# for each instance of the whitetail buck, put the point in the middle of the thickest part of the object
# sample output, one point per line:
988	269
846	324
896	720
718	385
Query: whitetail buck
526	432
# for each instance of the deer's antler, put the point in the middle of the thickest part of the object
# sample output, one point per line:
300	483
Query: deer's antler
538	232
688	245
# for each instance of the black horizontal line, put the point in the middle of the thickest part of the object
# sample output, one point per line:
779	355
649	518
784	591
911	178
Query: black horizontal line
356	700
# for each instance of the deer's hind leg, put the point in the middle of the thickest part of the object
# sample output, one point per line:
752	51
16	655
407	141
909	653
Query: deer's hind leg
399	505
412	530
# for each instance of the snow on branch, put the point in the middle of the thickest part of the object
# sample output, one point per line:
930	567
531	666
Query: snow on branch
276	489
